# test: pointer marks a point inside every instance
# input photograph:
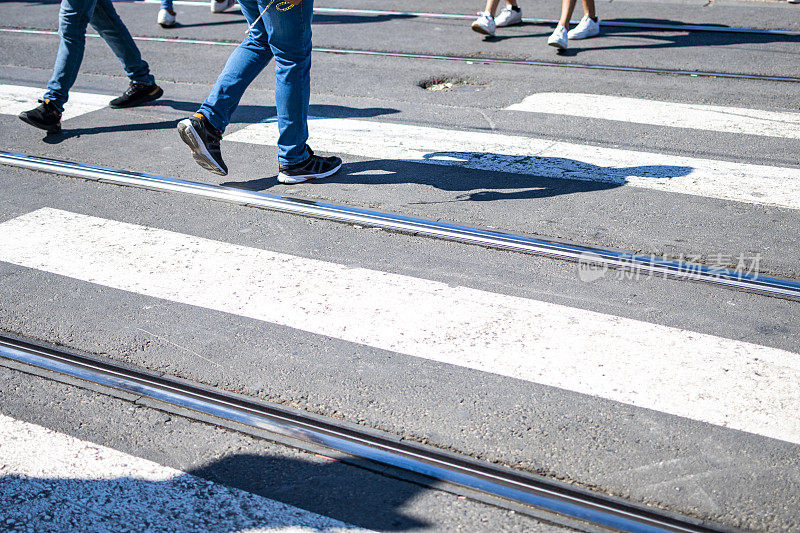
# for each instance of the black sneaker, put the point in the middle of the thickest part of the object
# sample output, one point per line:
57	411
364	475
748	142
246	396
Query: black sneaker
203	139
45	117
137	94
313	167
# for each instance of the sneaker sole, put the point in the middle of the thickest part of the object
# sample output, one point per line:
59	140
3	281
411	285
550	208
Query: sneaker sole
49	129
580	37
558	45
190	136
149	98
480	30
508	24
290	180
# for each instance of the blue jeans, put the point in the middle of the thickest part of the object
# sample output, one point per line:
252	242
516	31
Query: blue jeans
286	36
166	4
73	18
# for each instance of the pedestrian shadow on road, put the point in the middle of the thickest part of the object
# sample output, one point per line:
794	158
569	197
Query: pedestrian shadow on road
245	114
252	114
481	177
333	491
239	20
325	18
69	133
678	38
659	38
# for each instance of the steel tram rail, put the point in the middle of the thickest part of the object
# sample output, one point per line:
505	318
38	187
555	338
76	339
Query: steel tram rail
585	255
562	499
462	59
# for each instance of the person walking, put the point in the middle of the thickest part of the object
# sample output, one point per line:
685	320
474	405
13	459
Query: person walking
589	26
282	31
73	17
486	22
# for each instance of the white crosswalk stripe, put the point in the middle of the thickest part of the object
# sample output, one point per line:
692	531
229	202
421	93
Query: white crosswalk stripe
658	113
116	489
715	380
14	99
540	157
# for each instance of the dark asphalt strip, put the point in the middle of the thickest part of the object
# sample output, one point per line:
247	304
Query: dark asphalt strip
495	60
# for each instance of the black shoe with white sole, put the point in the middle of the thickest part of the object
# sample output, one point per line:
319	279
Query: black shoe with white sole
46	117
313	167
197	132
137	94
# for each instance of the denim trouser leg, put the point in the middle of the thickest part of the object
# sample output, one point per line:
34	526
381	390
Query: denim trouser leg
73	18
290	39
107	23
244	64
286	35
166	4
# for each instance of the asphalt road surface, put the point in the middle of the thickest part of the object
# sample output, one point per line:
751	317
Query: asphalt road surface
683	144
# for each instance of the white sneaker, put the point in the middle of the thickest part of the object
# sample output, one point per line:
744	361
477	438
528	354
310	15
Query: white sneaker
586	28
165	18
509	17
484	24
222	5
558	38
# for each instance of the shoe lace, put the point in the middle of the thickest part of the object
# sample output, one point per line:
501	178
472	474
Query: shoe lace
133	87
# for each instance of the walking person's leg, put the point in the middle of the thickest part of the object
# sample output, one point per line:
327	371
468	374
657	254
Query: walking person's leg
589	26
485	23
287	35
166	15
290	39
110	27
73	17
588	9
559	36
203	131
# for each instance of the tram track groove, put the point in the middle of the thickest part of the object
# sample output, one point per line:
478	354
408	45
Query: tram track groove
560	500
586	256
461	59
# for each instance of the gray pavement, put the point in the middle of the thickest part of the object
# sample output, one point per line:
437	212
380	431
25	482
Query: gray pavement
736	478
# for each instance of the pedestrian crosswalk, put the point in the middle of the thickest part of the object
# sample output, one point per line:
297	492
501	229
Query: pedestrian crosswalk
82	485
724	382
15	99
659	113
494	152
